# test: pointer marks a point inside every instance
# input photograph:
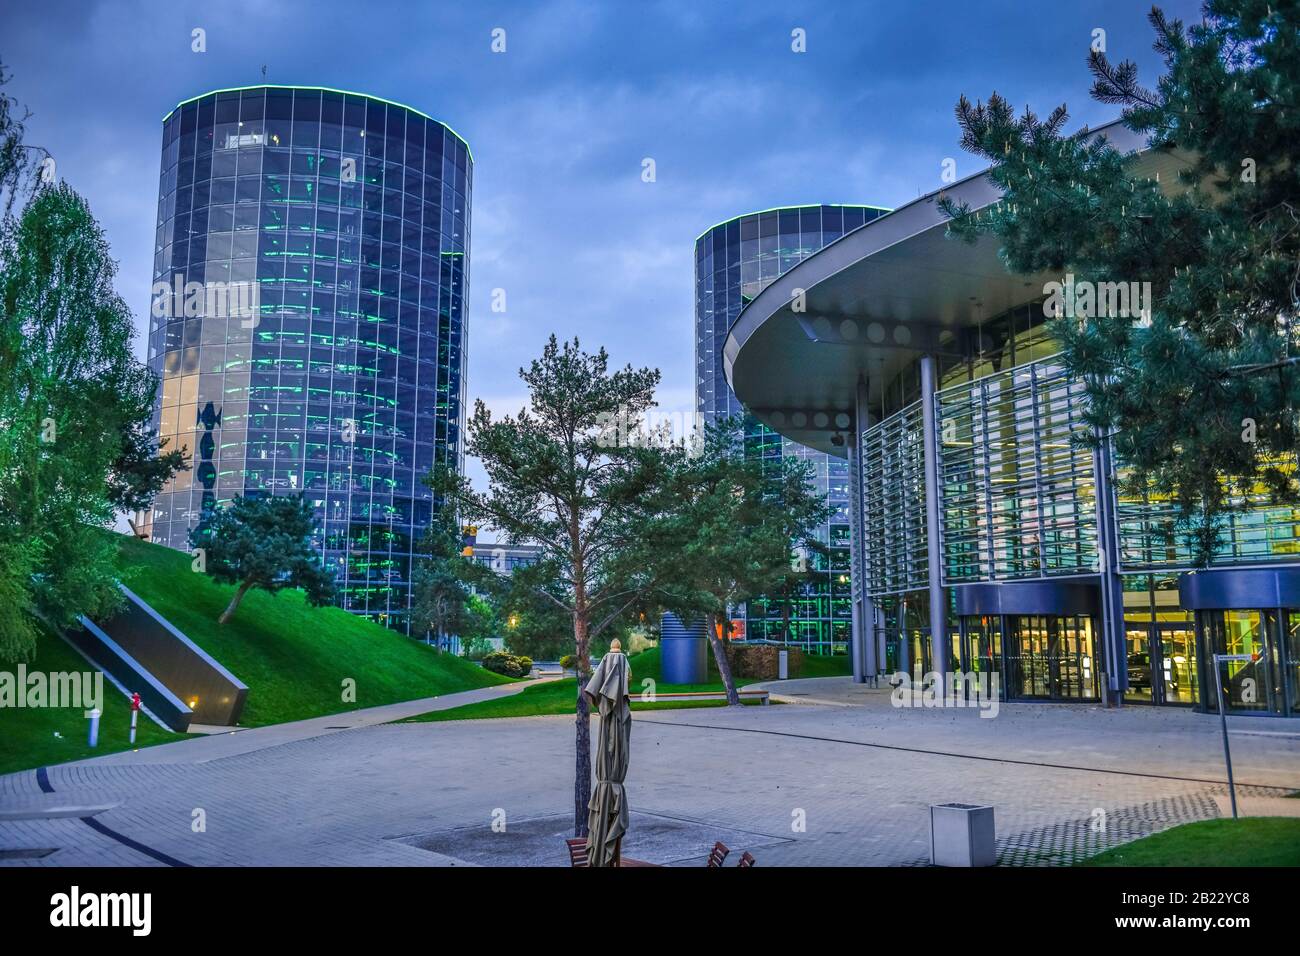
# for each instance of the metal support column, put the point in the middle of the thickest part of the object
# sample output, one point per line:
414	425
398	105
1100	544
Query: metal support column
1113	634
856	649
865	662
939	655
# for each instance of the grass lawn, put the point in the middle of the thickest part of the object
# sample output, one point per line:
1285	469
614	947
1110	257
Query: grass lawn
1250	841
293	657
557	697
544	699
647	664
27	734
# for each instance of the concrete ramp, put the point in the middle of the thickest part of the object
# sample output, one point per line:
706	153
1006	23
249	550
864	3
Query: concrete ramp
177	680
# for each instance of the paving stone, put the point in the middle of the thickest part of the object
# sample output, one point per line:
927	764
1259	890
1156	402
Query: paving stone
795	784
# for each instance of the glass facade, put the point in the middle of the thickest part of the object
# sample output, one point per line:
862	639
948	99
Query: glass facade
1018	503
734	261
893	492
1019	498
348	219
1261	532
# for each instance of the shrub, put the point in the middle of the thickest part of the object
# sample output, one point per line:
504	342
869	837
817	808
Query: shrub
569	662
499	662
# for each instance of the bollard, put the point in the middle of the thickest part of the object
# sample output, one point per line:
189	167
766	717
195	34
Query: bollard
93	740
135	713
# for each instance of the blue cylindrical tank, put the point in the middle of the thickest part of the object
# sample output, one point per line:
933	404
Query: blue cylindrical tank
682	650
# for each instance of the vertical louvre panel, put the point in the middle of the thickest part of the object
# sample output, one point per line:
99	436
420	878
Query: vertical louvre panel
1017	493
894	503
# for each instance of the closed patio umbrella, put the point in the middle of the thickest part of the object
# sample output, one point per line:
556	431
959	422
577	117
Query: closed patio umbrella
607	812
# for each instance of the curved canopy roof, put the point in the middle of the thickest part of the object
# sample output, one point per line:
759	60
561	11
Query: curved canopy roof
874	300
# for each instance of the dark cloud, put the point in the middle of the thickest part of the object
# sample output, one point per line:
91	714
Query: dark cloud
560	123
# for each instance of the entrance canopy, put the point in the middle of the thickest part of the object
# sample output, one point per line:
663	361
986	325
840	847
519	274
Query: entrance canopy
876	299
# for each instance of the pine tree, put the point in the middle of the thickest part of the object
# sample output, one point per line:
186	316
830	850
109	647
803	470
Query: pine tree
574	474
263	543
1199	394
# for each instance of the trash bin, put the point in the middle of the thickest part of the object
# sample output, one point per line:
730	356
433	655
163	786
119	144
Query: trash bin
962	834
783	664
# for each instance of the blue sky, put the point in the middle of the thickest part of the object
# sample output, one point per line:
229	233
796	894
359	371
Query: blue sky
559	125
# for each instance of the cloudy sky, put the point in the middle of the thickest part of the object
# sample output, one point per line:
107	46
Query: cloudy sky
559	124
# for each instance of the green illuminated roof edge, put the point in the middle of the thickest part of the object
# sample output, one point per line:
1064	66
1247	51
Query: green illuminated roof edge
807	205
322	89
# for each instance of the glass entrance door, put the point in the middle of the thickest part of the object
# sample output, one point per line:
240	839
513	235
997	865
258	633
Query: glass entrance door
1051	658
1141	665
1250	685
1292	627
1027	674
983	652
1178	663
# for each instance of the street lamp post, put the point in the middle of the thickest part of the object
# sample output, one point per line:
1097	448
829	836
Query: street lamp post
1219	660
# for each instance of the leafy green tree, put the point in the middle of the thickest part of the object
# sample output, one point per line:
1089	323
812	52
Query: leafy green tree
731	526
562	476
532	616
1200	394
144	463
18	160
263	543
74	404
480	627
441	595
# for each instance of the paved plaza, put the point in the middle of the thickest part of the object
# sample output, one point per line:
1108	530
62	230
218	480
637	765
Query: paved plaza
839	778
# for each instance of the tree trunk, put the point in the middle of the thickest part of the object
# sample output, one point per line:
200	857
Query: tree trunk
233	606
582	754
720	657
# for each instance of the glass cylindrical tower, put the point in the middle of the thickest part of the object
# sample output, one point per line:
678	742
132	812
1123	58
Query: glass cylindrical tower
734	261
311	266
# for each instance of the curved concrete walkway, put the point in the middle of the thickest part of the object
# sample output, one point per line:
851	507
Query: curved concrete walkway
230	742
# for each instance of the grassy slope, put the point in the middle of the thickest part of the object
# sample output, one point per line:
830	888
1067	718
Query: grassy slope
293	657
557	697
27	735
1250	841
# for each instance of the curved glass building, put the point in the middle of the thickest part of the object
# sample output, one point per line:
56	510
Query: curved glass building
310	267
734	261
988	543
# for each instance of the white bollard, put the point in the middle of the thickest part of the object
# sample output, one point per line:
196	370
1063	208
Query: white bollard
134	715
93	740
